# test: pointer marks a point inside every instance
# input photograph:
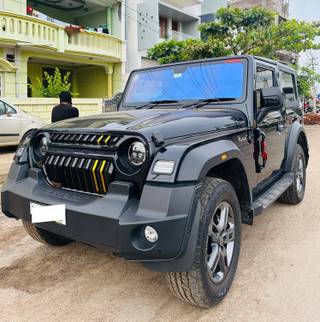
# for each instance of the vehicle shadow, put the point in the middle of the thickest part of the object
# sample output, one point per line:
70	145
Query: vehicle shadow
5	150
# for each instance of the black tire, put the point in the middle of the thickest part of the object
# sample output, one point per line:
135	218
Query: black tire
43	236
197	286
293	195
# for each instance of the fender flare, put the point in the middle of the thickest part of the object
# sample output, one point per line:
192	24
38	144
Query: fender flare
294	134
200	160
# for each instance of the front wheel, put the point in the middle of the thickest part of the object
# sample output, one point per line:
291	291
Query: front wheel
295	192
218	248
44	236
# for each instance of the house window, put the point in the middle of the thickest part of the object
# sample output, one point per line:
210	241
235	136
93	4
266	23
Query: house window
163	27
175	26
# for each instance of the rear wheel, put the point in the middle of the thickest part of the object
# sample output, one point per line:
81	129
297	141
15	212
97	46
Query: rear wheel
295	192
218	248
44	236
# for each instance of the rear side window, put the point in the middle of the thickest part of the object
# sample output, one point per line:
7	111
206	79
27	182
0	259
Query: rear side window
288	88
2	108
265	78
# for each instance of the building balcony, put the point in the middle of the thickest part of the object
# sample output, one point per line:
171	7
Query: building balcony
176	35
183	3
34	33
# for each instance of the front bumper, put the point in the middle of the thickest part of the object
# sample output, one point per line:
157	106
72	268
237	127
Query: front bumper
115	221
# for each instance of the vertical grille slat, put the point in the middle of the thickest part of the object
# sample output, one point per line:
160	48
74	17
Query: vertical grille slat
87	139
81	173
87	170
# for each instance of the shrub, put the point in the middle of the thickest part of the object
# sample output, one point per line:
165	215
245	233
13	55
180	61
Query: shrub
55	84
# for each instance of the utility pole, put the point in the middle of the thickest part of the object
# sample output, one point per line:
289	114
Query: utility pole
313	66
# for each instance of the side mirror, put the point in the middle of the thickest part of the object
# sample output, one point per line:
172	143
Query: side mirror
271	98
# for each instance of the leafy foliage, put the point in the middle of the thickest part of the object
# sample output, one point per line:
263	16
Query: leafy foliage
241	31
167	52
55	84
307	77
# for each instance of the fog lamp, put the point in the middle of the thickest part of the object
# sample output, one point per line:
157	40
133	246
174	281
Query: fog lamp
151	234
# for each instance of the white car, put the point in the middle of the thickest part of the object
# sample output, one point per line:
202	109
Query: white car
15	123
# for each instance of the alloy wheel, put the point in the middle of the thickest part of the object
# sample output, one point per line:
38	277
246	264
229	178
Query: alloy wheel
220	243
300	175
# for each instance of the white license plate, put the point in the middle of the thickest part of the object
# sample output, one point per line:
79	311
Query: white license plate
42	214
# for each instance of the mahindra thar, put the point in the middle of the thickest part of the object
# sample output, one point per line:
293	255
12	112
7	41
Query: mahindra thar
194	150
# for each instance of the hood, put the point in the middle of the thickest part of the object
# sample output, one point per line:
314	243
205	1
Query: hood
170	123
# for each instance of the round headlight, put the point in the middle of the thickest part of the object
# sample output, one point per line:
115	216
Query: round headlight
137	153
44	146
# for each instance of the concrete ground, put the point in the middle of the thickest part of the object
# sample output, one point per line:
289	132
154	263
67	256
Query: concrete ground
6	157
278	277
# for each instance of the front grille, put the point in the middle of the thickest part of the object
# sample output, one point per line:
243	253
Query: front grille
84	139
77	173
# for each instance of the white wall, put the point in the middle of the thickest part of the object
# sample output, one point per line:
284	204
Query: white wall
131	27
211	6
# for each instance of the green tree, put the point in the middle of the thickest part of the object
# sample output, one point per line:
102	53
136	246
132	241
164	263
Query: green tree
55	84
241	31
307	77
167	51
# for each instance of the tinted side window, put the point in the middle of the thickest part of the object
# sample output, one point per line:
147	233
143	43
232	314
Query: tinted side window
288	88
10	109
264	79
2	108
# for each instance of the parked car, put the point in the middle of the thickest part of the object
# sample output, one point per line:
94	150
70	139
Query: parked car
196	149
15	124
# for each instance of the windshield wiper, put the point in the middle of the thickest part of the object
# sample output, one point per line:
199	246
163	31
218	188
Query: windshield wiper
155	103
204	102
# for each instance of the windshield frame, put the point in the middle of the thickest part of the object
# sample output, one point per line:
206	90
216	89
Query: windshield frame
242	99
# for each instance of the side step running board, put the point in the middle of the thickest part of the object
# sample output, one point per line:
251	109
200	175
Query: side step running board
273	193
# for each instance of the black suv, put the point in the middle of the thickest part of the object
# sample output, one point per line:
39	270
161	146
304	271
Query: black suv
196	149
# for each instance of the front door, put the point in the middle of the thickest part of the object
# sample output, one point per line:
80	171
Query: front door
273	126
9	124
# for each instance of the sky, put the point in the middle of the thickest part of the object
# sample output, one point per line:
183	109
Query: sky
308	10
305	9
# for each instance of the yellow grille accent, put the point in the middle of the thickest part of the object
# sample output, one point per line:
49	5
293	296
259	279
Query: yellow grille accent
107	139
104	187
100	139
94	175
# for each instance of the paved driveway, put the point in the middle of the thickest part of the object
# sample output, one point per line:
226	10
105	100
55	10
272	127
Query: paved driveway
6	156
278	277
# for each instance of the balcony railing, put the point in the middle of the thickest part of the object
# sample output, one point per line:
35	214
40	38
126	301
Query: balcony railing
25	29
176	35
183	3
95	43
30	31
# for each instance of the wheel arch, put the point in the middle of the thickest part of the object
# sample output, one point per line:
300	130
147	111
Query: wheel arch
234	172
302	140
297	135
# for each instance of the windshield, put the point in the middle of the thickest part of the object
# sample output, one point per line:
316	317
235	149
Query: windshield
188	82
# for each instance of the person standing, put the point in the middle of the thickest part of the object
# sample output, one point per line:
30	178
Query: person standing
64	110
